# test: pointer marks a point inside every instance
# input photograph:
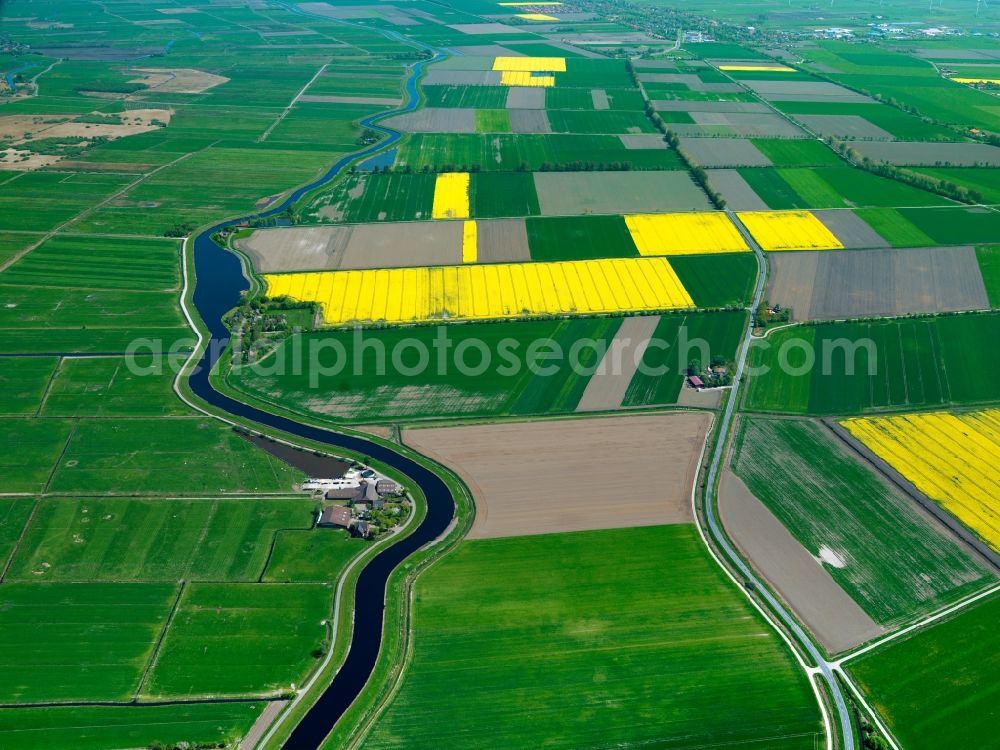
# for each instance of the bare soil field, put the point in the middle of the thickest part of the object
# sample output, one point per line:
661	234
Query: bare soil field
805	91
600	99
907	153
323	99
654	64
724	152
836	620
767	125
342	11
388	245
573	474
729	183
879	282
692	81
461	78
502	241
606	388
529	120
435	120
643	141
674	105
570	193
177	80
524	97
475	57
480	29
845	126
850	229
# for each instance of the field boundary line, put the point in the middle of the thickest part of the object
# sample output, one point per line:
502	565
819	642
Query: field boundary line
284	113
155	656
62	454
201	538
875	717
956	607
48	386
9	562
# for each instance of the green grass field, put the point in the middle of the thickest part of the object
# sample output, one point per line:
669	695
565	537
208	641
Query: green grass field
165	456
498	194
112	387
682	335
14	514
720	280
935	687
593	639
376	197
33	447
607	121
23	381
101	727
785	152
112	629
894	227
579	237
238	639
485	97
989	264
133	539
492	121
917	363
899	563
834	187
317	555
984	180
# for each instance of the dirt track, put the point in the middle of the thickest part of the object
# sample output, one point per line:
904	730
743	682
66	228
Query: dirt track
573	475
606	388
831	615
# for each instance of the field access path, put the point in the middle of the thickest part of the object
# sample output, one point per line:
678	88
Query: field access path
215	287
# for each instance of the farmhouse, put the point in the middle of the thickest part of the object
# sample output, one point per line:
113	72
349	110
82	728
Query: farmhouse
695	382
354	491
335	515
387	487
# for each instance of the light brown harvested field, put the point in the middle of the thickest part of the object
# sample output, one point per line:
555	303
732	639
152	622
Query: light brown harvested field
879	282
481	59
461	78
687	79
572	475
600	99
340	11
707	398
555	40
837	621
435	120
907	153
655	64
767	125
724	152
804	91
348	99
529	120
607	386
850	229
388	245
845	126
737	191
502	241
675	105
643	141
480	29
525	97
571	193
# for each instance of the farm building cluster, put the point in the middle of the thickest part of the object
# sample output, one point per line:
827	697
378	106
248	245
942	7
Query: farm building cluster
362	501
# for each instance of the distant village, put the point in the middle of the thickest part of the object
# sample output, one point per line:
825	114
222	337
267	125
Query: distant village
363	502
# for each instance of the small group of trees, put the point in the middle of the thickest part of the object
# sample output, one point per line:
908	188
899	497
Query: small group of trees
698	173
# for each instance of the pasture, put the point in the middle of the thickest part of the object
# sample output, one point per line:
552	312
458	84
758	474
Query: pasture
934	687
23	382
499	606
989	266
223	639
135	539
833	187
113	628
310	556
34	447
558	238
893	559
723	280
922	362
14	514
111	387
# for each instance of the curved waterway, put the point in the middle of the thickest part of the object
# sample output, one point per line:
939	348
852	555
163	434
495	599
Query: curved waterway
219	282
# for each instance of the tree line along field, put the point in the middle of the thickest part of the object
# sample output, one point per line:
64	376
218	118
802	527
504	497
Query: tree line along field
898	562
561	663
934	686
918	362
507	386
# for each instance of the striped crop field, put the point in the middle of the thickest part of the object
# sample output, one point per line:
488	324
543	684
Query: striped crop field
531	64
684	234
994	81
789	230
487	292
758	68
951	458
470	242
525	78
536	17
451	196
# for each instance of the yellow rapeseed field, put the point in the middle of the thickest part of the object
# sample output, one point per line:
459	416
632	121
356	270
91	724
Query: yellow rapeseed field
954	459
789	230
759	68
536	17
470	242
684	234
977	80
488	291
523	78
451	196
531	64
